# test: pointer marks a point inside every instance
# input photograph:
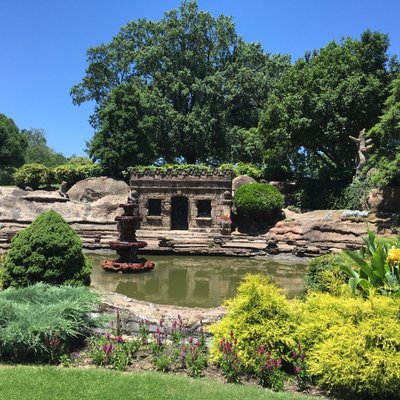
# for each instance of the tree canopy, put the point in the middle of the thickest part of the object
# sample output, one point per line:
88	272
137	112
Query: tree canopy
186	84
325	97
12	148
37	150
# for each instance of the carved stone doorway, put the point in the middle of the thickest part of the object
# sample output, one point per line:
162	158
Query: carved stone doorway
179	213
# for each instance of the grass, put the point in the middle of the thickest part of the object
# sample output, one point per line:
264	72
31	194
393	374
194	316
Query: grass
34	383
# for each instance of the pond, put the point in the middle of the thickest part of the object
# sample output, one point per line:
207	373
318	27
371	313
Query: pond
193	281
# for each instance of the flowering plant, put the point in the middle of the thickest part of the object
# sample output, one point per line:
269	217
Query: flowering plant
300	368
230	363
269	371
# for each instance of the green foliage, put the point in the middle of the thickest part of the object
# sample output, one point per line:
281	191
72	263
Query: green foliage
47	251
354	196
72	173
349	344
12	149
172	168
245	145
353	345
33	175
126	135
324	273
315	194
388	172
378	266
40	321
386	138
236	169
258	200
259	313
80	160
38	152
242	169
325	97
188	87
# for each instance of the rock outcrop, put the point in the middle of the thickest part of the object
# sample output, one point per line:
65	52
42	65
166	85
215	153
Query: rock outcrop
307	234
319	232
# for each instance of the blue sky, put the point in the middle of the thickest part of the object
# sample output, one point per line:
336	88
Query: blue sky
43	46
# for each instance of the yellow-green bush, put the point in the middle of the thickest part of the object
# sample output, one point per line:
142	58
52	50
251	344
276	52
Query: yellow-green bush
260	313
324	273
353	344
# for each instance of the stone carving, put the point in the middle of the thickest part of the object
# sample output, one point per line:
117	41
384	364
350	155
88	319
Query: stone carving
227	195
133	197
63	189
364	146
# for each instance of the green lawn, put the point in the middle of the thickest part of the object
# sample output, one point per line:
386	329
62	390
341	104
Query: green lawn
83	384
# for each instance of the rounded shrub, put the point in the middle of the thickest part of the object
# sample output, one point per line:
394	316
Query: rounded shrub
258	200
47	251
33	175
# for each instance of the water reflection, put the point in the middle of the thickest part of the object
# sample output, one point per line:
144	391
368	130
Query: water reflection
194	281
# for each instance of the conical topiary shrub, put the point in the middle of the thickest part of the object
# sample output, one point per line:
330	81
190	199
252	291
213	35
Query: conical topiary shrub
47	251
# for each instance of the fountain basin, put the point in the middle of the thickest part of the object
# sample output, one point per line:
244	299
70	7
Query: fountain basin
117	266
127	245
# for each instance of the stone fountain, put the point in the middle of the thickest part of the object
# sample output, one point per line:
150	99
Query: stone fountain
127	245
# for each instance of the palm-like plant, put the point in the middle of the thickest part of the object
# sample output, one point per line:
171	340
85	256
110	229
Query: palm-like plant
377	266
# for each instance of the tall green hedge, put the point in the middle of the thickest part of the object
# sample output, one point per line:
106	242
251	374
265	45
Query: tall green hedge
47	251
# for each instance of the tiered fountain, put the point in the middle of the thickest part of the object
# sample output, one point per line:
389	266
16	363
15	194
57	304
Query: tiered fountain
127	245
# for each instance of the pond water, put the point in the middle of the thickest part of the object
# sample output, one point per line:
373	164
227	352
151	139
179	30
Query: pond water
193	281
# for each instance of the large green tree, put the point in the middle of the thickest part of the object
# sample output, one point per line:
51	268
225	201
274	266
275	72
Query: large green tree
193	83
325	97
37	150
12	148
386	133
385	157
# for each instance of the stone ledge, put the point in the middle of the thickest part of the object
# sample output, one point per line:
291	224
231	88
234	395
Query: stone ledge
135	311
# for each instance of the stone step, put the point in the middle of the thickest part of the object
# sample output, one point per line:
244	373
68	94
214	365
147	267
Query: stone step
259	246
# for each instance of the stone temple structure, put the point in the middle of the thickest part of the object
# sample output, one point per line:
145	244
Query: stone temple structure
182	200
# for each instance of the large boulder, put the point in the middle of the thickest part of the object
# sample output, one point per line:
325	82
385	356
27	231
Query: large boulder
93	189
240	181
